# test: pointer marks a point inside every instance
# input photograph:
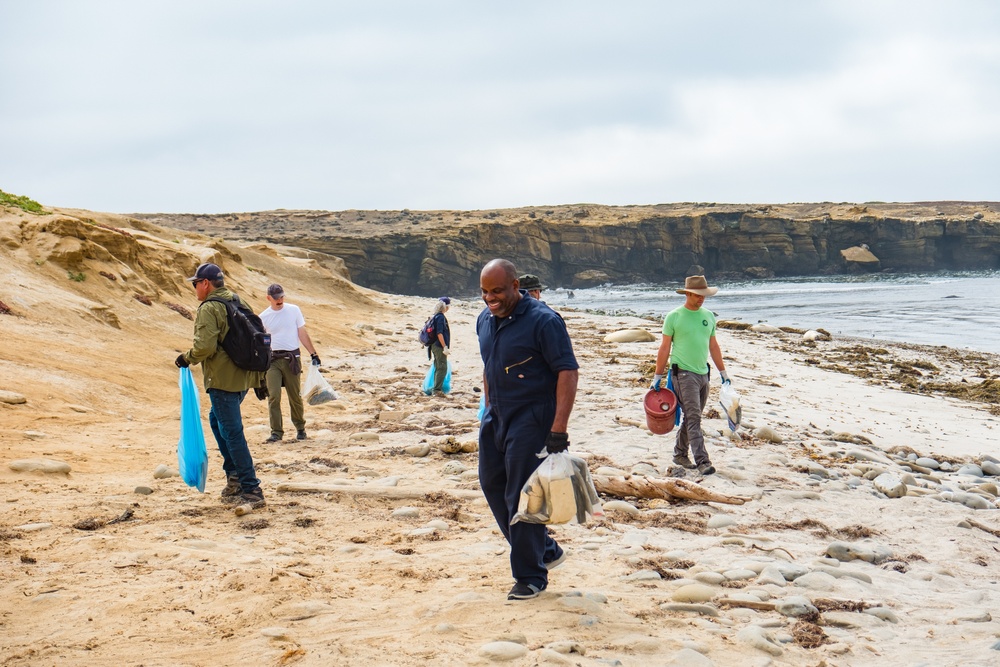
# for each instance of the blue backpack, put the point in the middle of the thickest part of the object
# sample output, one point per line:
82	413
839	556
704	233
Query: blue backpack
426	335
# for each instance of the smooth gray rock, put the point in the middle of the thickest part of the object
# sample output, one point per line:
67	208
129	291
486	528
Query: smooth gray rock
12	397
890	485
817	581
49	466
693	593
970	469
721	521
758	638
927	462
703	609
771	575
990	468
143	490
687	657
405	512
164	472
884	613
502	651
795	606
870	553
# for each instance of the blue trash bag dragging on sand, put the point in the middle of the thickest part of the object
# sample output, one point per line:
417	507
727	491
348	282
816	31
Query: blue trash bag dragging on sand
192	458
429	380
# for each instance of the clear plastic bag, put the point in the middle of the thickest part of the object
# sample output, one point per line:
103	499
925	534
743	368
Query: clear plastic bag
729	399
559	491
192	458
317	389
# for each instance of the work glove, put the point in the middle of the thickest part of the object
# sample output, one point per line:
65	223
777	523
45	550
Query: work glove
181	362
260	392
657	379
556	442
725	377
315	359
447	351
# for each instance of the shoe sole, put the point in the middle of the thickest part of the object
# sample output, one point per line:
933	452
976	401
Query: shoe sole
551	565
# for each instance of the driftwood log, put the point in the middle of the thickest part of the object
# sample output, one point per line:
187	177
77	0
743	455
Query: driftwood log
651	487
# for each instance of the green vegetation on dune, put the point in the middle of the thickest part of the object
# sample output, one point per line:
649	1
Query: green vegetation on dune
23	203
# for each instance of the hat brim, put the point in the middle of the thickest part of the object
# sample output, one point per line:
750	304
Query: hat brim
279	295
708	291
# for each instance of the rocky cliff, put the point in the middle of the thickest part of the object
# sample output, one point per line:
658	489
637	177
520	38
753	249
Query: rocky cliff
433	252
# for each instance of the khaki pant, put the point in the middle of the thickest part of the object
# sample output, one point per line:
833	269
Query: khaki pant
440	366
280	373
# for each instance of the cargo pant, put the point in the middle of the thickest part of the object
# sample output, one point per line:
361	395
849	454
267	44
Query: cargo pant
692	395
280	373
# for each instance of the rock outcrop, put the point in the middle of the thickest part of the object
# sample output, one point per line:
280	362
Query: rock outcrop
431	252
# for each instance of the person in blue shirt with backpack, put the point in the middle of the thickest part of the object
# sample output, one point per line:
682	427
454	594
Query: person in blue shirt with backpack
440	346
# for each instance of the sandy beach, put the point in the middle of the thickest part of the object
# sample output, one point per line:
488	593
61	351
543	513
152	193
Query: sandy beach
870	534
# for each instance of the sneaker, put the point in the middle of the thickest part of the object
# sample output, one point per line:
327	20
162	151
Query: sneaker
232	489
553	564
523	591
274	438
684	462
301	435
254	497
706	469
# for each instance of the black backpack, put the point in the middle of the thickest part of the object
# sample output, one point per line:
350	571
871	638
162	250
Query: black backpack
426	335
246	342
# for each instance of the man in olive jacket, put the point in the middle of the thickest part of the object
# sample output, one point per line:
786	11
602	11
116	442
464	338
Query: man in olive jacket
226	384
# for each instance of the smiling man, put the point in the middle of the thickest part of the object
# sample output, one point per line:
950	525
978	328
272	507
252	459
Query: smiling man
529	382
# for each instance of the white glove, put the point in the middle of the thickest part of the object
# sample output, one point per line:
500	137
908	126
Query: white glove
725	377
657	379
447	351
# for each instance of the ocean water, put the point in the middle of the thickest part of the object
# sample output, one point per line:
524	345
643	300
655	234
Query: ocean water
959	310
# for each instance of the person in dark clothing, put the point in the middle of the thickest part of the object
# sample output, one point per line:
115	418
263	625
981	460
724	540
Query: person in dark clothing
440	348
529	383
532	285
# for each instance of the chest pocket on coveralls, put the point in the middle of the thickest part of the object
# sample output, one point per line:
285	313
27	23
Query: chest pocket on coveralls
513	368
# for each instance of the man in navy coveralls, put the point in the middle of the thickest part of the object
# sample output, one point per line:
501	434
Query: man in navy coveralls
529	380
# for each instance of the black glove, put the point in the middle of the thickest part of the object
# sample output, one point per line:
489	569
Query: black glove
181	362
260	392
315	358
556	442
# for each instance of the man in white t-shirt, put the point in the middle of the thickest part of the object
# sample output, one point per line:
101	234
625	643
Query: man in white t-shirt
287	327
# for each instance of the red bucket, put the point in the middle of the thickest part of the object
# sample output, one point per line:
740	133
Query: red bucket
660	407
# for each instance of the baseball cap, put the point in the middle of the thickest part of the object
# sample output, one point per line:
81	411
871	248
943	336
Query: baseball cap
206	272
275	291
445	299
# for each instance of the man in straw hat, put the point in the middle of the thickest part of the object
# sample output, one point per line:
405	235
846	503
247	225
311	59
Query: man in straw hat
688	340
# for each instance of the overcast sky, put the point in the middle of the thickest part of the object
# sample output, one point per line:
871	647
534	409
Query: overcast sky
217	106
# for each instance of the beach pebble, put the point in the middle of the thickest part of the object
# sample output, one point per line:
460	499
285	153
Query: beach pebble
884	613
767	434
630	336
710	578
363	436
12	397
795	606
33	527
757	637
547	655
970	469
644	575
645	470
972	500
990	468
419	450
862	455
501	651
39	465
702	609
274	632
608	471
721	521
405	512
817	581
35	435
973	616
927	462
622	506
739	574
890	485
870	553
143	490
764	328
693	593
566	647
771	575
454	468
687	657
164	472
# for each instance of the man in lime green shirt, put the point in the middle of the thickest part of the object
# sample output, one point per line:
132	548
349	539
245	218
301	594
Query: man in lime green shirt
688	341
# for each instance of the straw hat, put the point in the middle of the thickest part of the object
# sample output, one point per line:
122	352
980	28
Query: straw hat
697	285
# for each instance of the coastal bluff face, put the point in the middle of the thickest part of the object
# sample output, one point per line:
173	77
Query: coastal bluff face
432	252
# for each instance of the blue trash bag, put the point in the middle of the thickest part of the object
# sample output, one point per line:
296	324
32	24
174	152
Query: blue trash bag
192	458
482	407
428	385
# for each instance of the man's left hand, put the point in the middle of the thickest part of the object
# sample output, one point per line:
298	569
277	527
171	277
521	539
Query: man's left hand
181	362
556	442
315	359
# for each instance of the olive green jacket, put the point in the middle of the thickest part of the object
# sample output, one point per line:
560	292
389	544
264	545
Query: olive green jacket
210	326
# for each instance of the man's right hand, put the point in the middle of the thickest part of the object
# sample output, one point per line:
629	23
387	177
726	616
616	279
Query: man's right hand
657	379
181	362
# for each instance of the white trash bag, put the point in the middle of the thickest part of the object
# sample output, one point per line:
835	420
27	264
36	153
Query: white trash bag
729	399
559	491
317	389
